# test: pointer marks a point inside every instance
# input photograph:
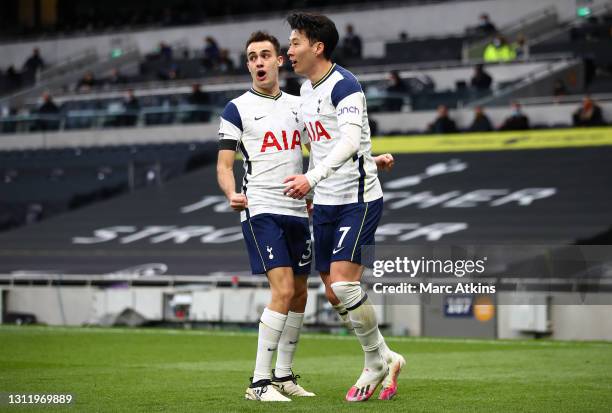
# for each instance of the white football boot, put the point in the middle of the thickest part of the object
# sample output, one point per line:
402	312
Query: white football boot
366	384
389	384
288	386
263	391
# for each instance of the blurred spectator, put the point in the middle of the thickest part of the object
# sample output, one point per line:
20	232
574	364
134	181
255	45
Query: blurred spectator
48	106
197	96
396	84
226	64
559	88
116	78
485	26
34	62
499	50
517	120
171	73
351	44
396	88
165	51
13	77
589	114
481	80
481	122
199	99
443	123
211	53
131	108
49	111
520	46
86	83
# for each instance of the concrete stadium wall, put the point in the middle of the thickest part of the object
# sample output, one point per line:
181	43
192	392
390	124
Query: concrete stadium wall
405	320
568	322
374	25
51	305
82	305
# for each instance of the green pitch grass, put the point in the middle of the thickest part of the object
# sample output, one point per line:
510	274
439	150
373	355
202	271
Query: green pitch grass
118	370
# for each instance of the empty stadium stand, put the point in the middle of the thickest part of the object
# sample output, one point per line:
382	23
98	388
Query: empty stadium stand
37	184
482	197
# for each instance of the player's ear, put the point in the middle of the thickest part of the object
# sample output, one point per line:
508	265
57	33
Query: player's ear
280	59
319	47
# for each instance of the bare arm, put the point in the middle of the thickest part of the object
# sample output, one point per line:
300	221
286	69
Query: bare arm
225	178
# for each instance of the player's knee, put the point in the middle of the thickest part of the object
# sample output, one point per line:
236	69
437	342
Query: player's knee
300	295
331	296
284	294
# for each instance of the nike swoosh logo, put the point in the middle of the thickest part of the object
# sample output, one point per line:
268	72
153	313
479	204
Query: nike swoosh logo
295	113
301	264
261	117
335	251
271	349
293	342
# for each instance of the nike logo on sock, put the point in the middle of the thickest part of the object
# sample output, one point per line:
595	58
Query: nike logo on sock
261	117
293	342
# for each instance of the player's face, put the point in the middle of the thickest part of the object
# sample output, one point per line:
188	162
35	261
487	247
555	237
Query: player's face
263	64
301	53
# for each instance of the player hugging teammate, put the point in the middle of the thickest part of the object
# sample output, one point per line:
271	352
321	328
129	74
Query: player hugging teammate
268	127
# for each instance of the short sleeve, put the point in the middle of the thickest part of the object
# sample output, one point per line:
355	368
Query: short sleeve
350	110
230	129
343	89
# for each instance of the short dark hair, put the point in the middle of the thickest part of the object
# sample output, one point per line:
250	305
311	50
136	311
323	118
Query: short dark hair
317	28
261	36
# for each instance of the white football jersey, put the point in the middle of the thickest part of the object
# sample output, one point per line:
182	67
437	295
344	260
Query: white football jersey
326	106
267	130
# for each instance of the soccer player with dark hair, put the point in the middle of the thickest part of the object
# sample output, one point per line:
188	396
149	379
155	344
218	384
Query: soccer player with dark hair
265	125
348	198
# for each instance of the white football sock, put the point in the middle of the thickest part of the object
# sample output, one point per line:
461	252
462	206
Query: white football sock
384	350
270	328
288	343
363	318
343	315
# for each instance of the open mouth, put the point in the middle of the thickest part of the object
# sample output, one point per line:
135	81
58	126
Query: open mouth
261	74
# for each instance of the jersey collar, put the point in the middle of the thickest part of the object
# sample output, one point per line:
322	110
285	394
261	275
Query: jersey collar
264	95
325	76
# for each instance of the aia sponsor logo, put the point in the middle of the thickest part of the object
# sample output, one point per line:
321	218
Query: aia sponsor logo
270	142
316	131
